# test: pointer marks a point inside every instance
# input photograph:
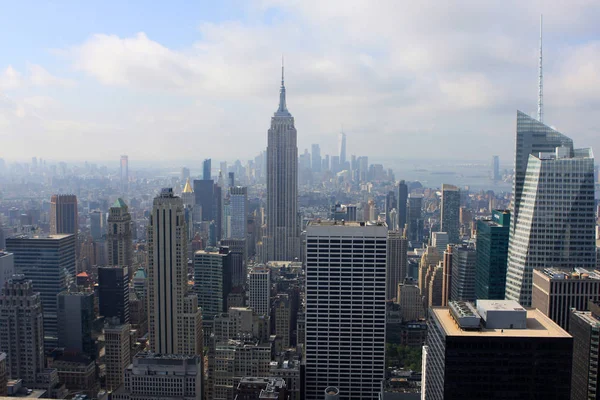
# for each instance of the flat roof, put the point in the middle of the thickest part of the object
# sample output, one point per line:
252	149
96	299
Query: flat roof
327	222
576	274
587	317
538	325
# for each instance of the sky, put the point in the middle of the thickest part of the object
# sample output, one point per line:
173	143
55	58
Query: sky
187	80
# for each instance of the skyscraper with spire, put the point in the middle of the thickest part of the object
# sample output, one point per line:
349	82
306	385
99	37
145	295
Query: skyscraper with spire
283	232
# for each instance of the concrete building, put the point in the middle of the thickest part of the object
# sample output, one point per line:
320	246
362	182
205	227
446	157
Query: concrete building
288	366
119	237
410	301
492	253
462	287
212	280
64	218
282	315
345	287
584	326
440	241
553	222
162	376
113	292
174	318
251	388
436	281
75	322
259	292
556	291
44	259
238	198
397	248
450	208
447	275
7	267
76	371
402	203
97	224
283	231
3	375
415	217
496	350
117	352
21	330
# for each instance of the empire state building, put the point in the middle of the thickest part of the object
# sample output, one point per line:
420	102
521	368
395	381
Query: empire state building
283	231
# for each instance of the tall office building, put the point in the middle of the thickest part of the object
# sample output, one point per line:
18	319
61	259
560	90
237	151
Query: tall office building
49	262
495	175
113	293
3	375
439	240
498	350
259	291
7	267
492	254
21	330
117	352
410	300
415	217
97	224
204	193
283	230
238	198
555	292
119	238
555	223
391	203
207	169
396	262
402	204
584	327
75	322
238	252
63	214
342	148
282	314
212	280
316	158
447	275
162	376
124	175
464	259
171	309
450	212
346	265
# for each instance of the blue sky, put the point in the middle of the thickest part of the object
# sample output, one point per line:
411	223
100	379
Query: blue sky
194	79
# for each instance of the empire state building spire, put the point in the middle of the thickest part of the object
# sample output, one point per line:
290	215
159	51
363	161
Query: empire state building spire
282	110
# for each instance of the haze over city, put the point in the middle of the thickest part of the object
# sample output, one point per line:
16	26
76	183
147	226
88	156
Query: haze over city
185	80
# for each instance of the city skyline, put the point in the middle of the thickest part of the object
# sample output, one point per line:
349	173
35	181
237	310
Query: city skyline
129	79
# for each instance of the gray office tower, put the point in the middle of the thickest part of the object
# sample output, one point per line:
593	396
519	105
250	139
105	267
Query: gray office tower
316	158
283	231
391	203
586	336
342	147
46	260
464	259
345	308
206	169
415	217
238	199
495	175
554	219
75	321
402	200
450	212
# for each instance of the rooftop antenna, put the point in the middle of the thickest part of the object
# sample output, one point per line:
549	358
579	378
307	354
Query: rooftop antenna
540	112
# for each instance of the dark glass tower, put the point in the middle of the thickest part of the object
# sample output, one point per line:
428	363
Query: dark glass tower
113	292
402	199
492	255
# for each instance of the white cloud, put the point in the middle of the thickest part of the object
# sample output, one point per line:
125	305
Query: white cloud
38	76
10	78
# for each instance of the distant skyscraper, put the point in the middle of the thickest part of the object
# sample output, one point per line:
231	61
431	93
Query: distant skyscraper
555	223
97	224
174	317
206	170
391	203
497	350
47	261
124	174
185	174
75	321
492	254
212	280
7	267
397	247
260	290
113	293
22	331
415	217
204	193
316	158
119	236
353	358
496	168
342	148
402	200
463	273
63	214
450	208
238	198
283	230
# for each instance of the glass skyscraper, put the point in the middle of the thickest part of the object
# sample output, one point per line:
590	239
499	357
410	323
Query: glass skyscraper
492	253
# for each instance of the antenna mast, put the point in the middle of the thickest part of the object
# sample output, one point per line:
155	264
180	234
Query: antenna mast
540	113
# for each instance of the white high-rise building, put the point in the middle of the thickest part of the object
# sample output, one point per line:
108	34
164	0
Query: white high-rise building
260	290
345	308
174	319
238	198
555	224
282	240
440	241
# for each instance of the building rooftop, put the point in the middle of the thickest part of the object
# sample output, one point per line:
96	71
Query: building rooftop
561	274
327	222
119	203
42	236
538	325
587	317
